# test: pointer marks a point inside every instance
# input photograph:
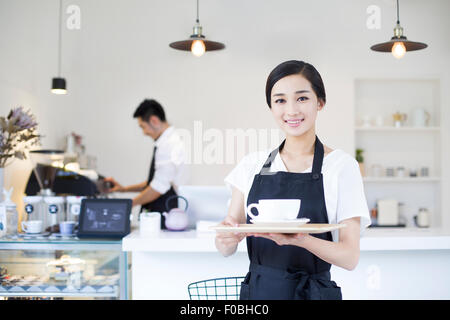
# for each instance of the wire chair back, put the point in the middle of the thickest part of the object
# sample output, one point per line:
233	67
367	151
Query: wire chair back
227	288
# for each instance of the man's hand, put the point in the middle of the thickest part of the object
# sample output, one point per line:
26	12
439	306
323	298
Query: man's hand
116	187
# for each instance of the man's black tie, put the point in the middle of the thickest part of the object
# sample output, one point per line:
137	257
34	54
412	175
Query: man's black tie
152	167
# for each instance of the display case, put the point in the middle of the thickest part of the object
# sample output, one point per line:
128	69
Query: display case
63	268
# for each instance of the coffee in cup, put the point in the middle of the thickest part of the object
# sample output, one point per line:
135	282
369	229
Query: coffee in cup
275	209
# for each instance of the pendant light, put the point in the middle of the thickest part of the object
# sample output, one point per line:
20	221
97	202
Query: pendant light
197	43
398	44
59	83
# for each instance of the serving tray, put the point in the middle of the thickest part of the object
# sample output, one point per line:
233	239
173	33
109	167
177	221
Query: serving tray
305	228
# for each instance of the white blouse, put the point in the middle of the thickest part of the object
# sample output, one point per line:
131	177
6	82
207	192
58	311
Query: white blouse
342	182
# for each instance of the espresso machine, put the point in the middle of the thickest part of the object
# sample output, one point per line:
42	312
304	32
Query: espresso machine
45	165
50	177
50	180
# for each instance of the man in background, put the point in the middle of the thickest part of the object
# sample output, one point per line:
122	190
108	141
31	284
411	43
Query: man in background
167	168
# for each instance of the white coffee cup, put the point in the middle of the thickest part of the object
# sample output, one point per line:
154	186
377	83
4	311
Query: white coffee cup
275	209
150	223
32	226
379	121
366	120
420	117
67	227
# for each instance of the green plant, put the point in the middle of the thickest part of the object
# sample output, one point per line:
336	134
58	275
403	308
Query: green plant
359	157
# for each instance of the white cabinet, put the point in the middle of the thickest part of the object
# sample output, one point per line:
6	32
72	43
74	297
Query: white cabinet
389	147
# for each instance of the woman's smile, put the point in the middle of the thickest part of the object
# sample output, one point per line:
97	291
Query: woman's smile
293	123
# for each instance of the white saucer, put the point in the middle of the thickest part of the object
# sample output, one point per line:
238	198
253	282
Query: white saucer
280	223
33	235
60	235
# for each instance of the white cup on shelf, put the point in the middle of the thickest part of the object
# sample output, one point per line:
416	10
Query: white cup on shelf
366	120
150	223
379	121
420	117
32	226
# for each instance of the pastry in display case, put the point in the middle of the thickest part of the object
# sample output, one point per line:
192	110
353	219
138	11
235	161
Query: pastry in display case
71	269
67	270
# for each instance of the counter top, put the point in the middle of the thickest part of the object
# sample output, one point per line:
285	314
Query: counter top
16	242
379	239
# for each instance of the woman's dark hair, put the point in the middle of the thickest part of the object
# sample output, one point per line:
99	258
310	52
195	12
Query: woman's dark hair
148	108
296	67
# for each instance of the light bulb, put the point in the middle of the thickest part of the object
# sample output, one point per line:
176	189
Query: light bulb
57	164
198	48
59	91
398	50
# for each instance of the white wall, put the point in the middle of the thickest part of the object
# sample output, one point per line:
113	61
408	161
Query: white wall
121	56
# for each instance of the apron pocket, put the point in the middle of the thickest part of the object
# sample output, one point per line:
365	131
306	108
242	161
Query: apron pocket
245	288
330	293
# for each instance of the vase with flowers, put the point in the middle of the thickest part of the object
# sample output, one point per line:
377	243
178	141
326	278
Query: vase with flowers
18	133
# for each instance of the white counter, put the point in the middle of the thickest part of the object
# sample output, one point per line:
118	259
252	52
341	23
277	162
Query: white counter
379	239
394	264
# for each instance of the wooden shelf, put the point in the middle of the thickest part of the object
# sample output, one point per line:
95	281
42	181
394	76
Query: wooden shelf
401	129
406	146
397	179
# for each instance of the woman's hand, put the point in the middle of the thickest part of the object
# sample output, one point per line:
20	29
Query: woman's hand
282	239
228	239
227	242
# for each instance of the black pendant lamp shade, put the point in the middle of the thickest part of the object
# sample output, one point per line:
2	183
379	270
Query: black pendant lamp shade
398	44
409	45
197	42
59	86
59	83
186	45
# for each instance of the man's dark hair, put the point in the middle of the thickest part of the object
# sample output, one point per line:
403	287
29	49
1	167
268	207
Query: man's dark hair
148	108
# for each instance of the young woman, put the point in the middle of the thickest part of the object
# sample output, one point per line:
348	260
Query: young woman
328	182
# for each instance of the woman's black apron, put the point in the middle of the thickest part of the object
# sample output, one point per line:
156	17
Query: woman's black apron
289	272
159	205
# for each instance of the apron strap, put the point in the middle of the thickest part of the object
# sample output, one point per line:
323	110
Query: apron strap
288	275
317	160
265	170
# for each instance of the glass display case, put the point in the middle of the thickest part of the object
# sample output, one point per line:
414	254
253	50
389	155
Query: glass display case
63	268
